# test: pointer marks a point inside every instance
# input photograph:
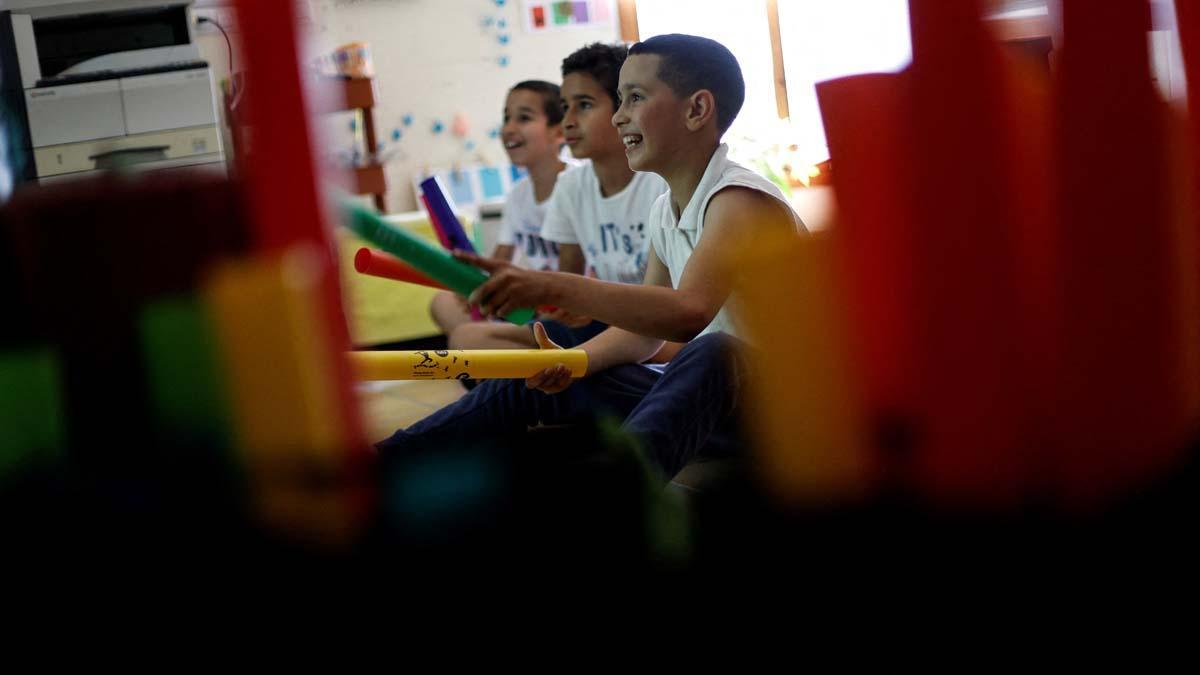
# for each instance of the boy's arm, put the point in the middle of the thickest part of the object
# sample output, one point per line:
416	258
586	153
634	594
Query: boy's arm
612	347
572	261
659	311
616	346
570	258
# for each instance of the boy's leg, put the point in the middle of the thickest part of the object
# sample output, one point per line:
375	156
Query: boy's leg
568	337
491	335
497	335
690	411
448	311
503	409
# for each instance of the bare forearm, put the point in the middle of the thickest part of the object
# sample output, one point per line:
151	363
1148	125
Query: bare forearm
614	347
649	310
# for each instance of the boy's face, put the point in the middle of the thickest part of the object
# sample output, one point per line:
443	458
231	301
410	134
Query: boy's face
587	118
650	119
526	133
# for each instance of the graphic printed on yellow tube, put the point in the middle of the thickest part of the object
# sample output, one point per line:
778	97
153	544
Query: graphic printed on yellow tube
429	366
471	364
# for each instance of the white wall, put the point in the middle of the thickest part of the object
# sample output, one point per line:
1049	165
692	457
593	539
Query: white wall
433	59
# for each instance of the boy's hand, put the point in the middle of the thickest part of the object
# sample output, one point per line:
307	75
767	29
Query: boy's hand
551	380
509	288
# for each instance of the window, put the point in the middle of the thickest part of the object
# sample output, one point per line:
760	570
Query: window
827	39
740	26
816	40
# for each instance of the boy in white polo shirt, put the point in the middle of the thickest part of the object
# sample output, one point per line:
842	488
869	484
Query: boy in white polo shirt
679	93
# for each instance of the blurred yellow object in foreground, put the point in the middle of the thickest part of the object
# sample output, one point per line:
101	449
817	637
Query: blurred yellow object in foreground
805	414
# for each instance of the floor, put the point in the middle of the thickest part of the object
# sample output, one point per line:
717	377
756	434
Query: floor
391	405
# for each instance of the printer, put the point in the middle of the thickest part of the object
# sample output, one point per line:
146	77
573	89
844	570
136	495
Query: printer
95	84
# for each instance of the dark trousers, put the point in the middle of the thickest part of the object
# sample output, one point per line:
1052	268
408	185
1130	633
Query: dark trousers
686	411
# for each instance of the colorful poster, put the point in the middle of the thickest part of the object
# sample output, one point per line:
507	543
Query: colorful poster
493	188
470	186
544	15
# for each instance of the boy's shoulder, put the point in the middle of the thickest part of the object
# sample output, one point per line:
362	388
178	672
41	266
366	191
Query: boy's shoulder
575	178
521	185
749	202
739	189
520	195
731	173
661	216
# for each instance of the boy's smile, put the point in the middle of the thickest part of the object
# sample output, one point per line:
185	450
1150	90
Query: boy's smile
648	109
526	134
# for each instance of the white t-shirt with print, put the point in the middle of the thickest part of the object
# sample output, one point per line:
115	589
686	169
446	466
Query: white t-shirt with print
675	238
521	228
613	231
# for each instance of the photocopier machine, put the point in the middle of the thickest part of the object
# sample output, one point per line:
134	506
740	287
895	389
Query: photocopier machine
87	85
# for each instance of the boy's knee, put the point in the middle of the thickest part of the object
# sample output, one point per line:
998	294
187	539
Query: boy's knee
714	351
442	301
490	335
465	336
717	345
469	336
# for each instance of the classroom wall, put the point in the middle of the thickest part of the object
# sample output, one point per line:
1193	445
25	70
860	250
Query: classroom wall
434	60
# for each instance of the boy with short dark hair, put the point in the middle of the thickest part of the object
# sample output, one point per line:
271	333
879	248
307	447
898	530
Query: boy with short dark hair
597	214
679	93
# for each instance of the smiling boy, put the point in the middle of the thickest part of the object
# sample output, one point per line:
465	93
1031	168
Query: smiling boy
679	94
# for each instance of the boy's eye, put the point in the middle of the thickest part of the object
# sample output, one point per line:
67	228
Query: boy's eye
585	105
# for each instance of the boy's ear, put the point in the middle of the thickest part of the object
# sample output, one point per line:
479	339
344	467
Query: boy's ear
701	108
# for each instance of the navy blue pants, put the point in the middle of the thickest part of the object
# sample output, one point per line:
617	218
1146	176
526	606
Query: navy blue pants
688	410
567	337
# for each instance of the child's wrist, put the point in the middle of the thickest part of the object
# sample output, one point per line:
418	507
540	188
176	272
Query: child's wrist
553	288
593	363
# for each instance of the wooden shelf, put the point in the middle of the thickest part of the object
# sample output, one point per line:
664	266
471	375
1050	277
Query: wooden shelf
352	94
339	94
369	180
